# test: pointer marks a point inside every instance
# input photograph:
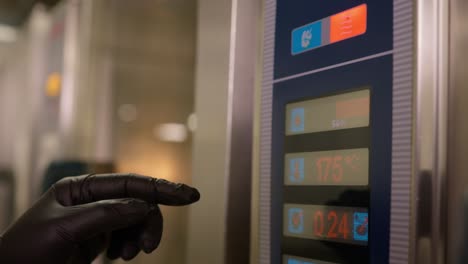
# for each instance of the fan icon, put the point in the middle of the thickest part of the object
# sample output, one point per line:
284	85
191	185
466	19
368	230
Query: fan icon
361	226
296	220
306	37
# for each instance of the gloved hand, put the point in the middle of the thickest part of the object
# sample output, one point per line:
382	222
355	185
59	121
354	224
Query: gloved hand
80	216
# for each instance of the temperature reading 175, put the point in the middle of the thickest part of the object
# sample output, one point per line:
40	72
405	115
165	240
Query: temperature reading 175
335	167
332	168
327	166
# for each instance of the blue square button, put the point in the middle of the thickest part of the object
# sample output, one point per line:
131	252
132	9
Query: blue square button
296	220
361	226
297	120
306	38
294	261
297	261
296	170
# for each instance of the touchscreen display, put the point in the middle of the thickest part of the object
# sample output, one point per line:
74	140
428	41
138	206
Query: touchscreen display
339	224
325	174
335	167
343	111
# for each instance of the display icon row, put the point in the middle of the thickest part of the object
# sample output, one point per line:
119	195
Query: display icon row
339	224
344	111
339	27
348	167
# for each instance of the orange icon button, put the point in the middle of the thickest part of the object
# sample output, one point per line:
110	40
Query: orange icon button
348	24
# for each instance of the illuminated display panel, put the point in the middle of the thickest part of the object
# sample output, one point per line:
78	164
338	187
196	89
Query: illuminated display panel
347	225
326	49
296	260
343	111
337	167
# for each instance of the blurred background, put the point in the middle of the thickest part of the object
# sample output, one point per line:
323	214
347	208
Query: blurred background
154	87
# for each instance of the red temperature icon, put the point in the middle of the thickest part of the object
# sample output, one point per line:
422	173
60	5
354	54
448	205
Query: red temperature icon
348	24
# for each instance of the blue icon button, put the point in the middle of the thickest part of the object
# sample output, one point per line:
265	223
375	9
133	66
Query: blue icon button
296	170
297	120
306	38
361	226
294	261
297	261
296	220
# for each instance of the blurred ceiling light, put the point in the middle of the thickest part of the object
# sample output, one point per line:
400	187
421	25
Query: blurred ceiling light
54	85
192	122
8	34
171	132
40	19
127	113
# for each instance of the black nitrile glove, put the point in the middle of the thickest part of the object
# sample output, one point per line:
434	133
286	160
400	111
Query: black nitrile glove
79	217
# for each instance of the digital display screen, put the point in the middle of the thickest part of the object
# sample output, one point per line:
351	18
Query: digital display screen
296	260
335	167
325	171
343	111
347	225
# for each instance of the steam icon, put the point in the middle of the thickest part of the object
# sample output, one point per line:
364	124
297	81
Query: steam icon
306	37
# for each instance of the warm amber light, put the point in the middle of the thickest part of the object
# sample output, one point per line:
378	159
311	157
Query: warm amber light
54	85
149	163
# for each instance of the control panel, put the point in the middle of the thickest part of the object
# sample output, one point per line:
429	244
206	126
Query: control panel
331	132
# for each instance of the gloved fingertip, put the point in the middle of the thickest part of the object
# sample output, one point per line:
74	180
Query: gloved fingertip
149	245
129	252
195	197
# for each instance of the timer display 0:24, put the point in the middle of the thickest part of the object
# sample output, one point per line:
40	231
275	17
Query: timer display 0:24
332	225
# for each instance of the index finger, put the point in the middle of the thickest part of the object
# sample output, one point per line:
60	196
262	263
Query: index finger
96	187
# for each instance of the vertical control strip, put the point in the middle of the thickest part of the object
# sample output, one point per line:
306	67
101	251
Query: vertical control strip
326	132
339	169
